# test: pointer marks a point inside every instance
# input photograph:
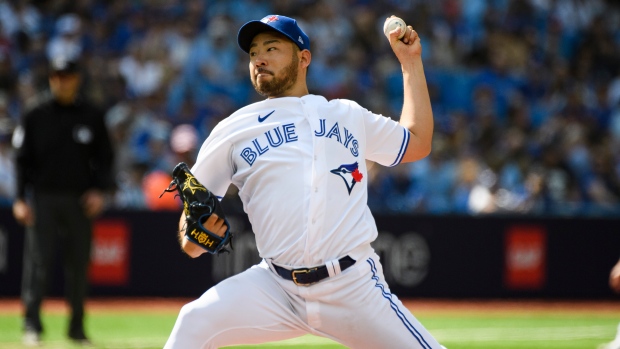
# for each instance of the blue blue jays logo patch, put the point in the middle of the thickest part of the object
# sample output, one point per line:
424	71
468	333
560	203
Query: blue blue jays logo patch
349	173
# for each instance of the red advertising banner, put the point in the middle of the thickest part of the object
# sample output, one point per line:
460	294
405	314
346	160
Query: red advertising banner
110	257
525	257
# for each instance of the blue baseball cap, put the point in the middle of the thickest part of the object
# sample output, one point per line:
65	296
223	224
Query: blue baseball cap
282	24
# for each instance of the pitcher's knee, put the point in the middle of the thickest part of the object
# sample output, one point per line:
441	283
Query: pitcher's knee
192	322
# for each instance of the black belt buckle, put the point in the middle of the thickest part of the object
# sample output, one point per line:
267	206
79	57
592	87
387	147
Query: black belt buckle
302	271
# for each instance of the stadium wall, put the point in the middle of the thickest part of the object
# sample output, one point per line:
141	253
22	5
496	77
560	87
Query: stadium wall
136	254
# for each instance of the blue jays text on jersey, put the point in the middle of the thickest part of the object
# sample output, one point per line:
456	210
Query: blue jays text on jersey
286	134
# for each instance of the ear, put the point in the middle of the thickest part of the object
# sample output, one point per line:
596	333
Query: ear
305	58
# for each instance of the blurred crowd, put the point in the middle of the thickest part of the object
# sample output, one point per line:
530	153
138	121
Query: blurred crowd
526	93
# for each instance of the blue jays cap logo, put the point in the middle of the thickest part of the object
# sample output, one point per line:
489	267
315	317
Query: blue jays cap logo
284	25
270	19
350	174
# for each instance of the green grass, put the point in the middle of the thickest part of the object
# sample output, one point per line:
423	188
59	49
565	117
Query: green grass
535	331
538	330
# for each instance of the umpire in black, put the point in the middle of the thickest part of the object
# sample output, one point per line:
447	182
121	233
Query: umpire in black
64	171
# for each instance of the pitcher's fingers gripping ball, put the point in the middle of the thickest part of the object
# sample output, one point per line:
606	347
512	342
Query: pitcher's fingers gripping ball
406	34
201	208
393	23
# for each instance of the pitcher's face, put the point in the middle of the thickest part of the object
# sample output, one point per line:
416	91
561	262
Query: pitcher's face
274	64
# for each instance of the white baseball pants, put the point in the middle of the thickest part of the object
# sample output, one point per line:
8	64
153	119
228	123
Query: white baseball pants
354	308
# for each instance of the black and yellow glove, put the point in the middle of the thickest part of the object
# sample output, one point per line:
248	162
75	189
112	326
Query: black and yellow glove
199	204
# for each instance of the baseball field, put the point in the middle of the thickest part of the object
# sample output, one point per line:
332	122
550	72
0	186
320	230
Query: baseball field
146	323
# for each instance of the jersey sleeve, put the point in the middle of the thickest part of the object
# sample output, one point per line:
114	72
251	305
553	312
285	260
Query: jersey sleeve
386	139
213	167
103	154
24	153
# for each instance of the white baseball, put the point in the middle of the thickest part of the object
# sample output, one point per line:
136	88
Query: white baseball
393	23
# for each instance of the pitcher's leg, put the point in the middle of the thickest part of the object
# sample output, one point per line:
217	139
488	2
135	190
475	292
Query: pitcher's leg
247	308
363	313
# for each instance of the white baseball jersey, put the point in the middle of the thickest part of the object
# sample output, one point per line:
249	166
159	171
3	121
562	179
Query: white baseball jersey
299	164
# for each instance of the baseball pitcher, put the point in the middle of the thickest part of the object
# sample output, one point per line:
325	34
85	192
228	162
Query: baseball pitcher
299	162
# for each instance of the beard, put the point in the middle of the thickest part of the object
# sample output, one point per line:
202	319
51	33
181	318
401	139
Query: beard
278	84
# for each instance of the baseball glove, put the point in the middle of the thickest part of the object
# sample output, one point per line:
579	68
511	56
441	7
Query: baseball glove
198	204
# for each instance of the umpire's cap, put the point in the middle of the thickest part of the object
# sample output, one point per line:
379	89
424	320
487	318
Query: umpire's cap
282	24
63	65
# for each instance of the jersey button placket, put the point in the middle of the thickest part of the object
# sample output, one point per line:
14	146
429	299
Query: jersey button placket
318	201
309	185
